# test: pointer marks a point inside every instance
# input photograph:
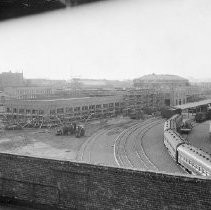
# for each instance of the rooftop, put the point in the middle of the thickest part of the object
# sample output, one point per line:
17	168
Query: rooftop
162	77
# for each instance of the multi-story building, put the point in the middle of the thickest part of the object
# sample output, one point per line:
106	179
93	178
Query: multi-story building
160	81
136	100
175	89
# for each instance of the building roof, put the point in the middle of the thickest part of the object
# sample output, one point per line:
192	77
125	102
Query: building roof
162	77
193	104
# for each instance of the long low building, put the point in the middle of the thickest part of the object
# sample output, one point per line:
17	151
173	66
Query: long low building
71	108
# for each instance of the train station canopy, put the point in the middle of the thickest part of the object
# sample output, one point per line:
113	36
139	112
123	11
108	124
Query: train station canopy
193	104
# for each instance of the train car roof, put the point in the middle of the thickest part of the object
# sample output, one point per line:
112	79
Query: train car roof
174	116
200	155
177	139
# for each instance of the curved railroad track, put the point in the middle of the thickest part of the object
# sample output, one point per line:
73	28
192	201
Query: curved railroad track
84	154
128	150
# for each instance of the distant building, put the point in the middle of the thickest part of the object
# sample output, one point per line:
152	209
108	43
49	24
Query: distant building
9	79
78	83
29	92
176	90
45	82
136	100
72	108
160	81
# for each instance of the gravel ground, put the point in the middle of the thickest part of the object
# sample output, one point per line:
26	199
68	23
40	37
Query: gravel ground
44	143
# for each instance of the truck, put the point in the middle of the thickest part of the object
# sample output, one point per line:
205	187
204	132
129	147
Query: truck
72	129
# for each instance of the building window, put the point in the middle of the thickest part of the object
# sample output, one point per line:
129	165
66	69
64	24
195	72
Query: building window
60	111
34	111
85	108
41	112
21	111
53	111
98	106
69	109
28	111
14	110
105	105
77	109
91	106
111	105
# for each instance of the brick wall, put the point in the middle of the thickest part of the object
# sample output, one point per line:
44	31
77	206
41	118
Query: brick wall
69	185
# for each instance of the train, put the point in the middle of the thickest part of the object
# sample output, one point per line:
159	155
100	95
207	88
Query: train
174	123
193	160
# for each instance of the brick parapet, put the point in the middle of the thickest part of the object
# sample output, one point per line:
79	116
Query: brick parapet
72	185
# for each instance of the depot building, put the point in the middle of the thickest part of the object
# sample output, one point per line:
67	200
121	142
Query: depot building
176	90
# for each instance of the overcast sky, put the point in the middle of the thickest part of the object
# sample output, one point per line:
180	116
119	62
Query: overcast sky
115	39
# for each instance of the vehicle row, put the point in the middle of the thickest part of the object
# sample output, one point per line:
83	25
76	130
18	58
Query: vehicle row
192	159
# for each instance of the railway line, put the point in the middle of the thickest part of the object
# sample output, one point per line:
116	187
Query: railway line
129	151
84	153
127	145
124	143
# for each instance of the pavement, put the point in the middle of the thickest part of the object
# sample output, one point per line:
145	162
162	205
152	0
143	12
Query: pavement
199	136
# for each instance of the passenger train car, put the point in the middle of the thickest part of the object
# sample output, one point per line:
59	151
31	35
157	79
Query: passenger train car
174	123
172	140
167	125
194	160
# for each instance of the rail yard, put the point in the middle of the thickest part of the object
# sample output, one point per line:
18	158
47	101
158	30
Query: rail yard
119	142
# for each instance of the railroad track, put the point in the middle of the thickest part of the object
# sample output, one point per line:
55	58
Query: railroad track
129	151
84	154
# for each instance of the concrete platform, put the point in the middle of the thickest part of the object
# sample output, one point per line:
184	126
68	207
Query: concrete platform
199	137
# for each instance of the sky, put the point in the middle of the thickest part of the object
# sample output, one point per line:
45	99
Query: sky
114	39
